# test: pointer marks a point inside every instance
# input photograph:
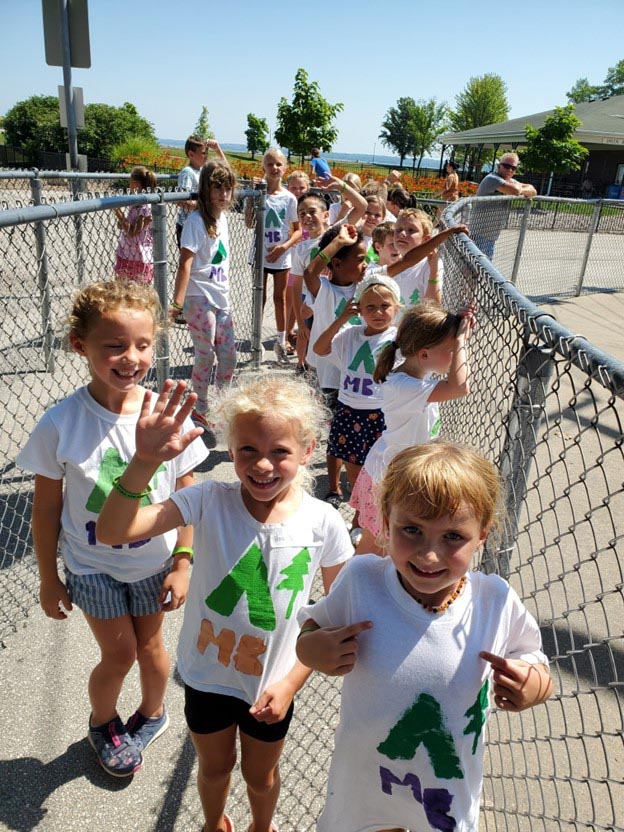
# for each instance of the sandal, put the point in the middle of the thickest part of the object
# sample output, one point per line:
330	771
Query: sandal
333	498
229	826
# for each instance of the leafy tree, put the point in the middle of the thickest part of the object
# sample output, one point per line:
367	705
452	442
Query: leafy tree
428	121
256	132
202	128
307	121
613	85
35	125
582	91
482	101
107	126
397	128
553	148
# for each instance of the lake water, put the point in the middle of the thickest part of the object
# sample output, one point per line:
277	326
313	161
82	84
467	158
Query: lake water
364	158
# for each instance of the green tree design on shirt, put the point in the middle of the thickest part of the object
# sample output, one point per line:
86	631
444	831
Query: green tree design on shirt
295	573
112	466
220	254
476	714
363	356
249	577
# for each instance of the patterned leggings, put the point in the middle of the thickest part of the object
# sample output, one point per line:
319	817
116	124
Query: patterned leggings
212	333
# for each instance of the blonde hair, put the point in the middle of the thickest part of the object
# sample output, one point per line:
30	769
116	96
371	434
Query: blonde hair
100	300
292	400
353	180
374	188
422	326
420	215
375	199
299	174
276	153
215	172
438	478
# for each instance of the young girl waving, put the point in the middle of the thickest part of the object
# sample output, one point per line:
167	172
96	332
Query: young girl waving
426	644
135	249
202	285
358	420
258	544
77	453
430	341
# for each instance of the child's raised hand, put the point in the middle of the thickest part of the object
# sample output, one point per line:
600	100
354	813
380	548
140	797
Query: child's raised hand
158	432
328	183
393	177
331	650
460	229
468	320
350	310
518	685
347	235
273	703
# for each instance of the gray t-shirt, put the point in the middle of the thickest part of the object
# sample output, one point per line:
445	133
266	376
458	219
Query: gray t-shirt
488	220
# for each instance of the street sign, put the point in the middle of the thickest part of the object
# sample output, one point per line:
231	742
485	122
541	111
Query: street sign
78	20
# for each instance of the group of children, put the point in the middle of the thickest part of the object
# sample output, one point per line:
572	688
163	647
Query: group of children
427	644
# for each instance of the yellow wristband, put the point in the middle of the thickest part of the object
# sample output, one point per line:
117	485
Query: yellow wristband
183	550
324	257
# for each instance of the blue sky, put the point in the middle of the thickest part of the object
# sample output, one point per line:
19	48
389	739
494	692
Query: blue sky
238	57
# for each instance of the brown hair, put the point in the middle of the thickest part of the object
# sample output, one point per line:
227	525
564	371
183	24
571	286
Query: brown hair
215	172
424	325
145	178
381	233
374	188
437	478
194	143
102	299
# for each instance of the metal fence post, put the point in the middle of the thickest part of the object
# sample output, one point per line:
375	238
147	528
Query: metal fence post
76	189
43	282
258	287
520	246
526	414
590	237
161	272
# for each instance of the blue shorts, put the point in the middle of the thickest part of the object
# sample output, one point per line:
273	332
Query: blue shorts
207	713
101	596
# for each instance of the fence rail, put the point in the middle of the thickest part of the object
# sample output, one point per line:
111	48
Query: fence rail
545	405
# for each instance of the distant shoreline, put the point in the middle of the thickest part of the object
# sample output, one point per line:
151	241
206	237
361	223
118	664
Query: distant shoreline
362	158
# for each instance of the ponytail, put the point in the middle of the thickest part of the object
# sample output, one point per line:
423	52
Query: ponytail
385	362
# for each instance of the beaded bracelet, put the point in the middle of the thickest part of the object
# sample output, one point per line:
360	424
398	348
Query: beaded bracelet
131	495
178	307
324	257
183	550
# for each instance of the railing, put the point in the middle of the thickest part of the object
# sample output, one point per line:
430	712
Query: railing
545	405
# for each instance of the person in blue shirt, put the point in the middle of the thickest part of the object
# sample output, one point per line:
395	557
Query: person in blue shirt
319	167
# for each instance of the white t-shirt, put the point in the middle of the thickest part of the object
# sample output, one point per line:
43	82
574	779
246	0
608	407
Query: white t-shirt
304	253
329	302
409	746
410	419
209	270
281	211
248	582
413	282
188	180
355	354
87	446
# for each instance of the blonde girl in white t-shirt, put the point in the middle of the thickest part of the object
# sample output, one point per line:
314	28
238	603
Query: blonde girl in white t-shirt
430	340
258	545
77	452
202	284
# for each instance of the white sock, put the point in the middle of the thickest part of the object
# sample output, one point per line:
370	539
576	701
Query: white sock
281	338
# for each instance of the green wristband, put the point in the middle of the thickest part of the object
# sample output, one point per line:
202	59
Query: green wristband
307	630
324	257
183	550
131	495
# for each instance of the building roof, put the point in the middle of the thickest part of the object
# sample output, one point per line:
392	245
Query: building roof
603	126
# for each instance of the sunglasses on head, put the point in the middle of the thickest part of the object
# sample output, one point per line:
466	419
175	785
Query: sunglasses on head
507	166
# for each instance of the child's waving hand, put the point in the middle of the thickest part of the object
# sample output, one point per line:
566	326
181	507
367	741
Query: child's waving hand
158	434
518	685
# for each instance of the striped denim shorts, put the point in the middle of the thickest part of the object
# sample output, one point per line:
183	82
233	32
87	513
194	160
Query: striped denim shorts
101	596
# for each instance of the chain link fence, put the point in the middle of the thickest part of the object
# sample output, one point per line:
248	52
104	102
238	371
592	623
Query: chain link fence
545	405
549	247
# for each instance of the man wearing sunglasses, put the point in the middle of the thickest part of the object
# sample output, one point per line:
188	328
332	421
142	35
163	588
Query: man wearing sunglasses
489	220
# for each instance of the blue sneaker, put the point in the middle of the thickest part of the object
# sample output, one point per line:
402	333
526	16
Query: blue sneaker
144	730
117	753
